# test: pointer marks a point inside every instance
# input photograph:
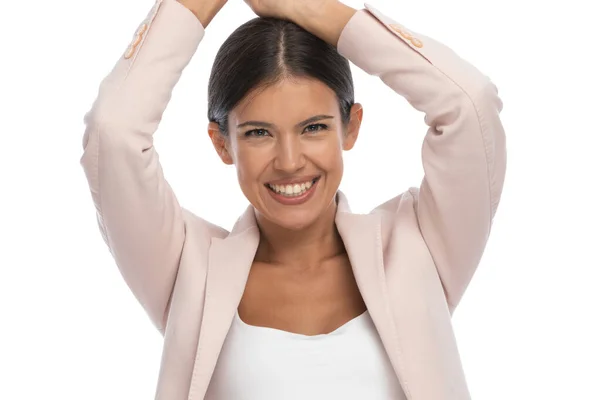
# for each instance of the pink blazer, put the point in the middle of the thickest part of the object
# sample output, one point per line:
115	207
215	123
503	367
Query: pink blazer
412	256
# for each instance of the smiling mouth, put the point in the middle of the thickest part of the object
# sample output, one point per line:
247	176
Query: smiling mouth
294	189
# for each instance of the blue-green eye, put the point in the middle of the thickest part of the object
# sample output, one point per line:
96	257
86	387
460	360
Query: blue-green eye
257	133
316	128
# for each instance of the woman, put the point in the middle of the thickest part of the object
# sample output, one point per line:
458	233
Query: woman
303	299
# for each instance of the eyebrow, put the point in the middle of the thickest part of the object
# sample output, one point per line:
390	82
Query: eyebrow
298	125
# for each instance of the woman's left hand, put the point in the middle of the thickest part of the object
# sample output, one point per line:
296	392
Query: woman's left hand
323	18
290	10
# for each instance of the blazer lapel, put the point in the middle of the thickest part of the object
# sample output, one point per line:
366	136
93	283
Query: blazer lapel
229	262
361	234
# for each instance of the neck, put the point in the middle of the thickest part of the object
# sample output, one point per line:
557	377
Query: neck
305	248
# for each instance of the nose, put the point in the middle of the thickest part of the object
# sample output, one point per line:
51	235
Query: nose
290	156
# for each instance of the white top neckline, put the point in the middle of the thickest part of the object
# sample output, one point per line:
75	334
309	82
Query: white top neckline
274	331
262	363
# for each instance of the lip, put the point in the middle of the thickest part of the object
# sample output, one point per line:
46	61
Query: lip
300	179
294	201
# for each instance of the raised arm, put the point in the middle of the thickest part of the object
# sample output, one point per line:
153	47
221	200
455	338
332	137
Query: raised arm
138	214
464	151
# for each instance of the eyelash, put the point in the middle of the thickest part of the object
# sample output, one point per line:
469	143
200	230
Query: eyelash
322	127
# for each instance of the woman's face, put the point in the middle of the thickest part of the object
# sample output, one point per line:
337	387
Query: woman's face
286	141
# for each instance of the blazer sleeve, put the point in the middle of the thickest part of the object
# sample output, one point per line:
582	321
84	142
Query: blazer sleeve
137	212
464	150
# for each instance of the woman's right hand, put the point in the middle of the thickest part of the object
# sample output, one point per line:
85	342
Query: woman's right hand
204	10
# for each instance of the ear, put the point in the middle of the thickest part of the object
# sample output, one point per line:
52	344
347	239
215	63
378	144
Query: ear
220	142
356	114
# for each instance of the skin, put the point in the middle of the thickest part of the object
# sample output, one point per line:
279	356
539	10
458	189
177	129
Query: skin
287	150
301	279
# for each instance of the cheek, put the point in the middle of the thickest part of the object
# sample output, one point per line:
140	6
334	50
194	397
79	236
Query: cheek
326	154
249	165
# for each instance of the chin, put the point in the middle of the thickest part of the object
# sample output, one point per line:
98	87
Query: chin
291	220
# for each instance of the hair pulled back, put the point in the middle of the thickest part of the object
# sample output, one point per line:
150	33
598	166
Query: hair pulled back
265	51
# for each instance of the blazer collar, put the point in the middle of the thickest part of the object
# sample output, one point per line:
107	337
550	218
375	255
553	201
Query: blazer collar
229	262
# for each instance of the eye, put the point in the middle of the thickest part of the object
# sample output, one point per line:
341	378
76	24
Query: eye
257	133
315	128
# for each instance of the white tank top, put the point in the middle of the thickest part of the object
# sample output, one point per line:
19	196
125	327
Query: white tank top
258	363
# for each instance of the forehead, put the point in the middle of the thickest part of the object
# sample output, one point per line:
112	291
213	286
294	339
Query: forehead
287	101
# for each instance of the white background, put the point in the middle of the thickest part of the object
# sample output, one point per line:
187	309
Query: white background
528	327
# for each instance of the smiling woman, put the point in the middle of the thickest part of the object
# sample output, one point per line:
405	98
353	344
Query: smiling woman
298	261
295	94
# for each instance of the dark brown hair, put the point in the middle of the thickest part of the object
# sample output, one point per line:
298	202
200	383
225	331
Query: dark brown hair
264	51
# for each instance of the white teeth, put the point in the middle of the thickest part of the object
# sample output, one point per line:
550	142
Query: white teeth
292	190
